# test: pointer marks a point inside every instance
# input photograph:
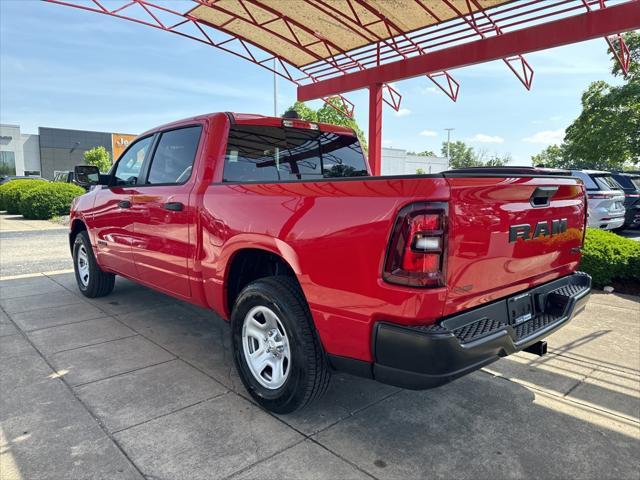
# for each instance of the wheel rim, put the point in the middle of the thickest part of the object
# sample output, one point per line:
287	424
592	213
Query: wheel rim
82	262
266	347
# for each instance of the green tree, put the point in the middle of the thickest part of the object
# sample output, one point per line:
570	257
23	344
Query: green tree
462	156
304	112
632	39
99	157
551	157
424	153
328	114
496	160
606	135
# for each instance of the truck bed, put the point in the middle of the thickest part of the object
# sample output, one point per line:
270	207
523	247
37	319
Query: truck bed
335	234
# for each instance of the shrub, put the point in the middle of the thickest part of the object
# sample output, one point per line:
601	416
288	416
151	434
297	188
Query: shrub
608	257
11	193
49	200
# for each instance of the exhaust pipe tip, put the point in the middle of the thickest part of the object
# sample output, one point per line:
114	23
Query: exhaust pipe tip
538	348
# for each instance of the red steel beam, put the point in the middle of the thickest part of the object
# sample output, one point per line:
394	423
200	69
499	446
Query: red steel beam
375	128
578	28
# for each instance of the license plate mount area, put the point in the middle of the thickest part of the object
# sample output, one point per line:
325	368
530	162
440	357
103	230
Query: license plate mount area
520	308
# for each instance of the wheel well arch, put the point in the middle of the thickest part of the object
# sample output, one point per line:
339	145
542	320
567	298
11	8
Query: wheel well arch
250	264
76	227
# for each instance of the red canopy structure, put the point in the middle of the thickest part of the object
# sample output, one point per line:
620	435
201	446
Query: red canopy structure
330	47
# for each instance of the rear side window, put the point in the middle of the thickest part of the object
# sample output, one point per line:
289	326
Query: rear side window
174	156
272	154
605	182
628	182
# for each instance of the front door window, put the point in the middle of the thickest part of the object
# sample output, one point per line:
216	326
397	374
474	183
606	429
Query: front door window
129	167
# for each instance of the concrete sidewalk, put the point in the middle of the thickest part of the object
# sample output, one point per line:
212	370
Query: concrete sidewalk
16	223
139	385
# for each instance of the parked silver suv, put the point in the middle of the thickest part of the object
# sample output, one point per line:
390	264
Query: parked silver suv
605	199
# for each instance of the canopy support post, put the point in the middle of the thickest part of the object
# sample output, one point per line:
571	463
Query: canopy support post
375	128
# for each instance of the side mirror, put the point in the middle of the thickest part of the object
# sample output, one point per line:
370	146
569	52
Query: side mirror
88	175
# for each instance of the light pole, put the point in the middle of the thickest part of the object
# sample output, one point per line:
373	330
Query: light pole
449	130
275	88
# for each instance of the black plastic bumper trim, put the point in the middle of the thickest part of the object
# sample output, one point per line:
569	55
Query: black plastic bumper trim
428	356
360	368
424	357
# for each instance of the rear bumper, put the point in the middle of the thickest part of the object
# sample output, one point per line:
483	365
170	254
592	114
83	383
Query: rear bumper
610	223
426	357
632	216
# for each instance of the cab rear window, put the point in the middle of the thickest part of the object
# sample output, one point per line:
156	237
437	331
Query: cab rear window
271	154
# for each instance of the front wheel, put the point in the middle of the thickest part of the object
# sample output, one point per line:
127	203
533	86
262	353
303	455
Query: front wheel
91	280
275	348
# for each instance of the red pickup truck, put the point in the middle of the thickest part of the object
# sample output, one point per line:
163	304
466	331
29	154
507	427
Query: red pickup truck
277	225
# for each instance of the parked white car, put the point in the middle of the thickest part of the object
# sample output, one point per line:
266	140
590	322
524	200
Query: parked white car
605	199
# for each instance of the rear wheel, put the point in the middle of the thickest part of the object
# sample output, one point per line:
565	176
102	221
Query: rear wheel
91	280
276	351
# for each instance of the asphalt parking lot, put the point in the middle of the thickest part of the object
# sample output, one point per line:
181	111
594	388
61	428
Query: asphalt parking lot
138	385
31	246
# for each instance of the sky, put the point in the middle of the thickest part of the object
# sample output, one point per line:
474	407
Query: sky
66	68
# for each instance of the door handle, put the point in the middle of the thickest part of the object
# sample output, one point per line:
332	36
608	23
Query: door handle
124	204
173	206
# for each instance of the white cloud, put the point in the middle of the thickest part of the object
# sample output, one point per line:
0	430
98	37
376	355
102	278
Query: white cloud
546	137
387	143
551	119
427	90
403	112
428	133
482	138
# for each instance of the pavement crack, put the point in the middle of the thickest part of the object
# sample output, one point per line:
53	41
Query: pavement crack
119	374
579	382
94	344
213	397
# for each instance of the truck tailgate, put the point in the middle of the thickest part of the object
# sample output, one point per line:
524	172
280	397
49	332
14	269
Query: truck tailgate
507	234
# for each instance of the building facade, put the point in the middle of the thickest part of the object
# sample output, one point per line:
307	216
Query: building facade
119	143
53	150
396	161
61	149
19	152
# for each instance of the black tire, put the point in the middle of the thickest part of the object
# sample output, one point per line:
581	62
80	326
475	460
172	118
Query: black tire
309	372
99	283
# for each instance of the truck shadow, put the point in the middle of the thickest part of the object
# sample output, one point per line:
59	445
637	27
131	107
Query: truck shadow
202	339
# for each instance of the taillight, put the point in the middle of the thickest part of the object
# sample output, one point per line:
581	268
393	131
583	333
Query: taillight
600	196
632	195
417	246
